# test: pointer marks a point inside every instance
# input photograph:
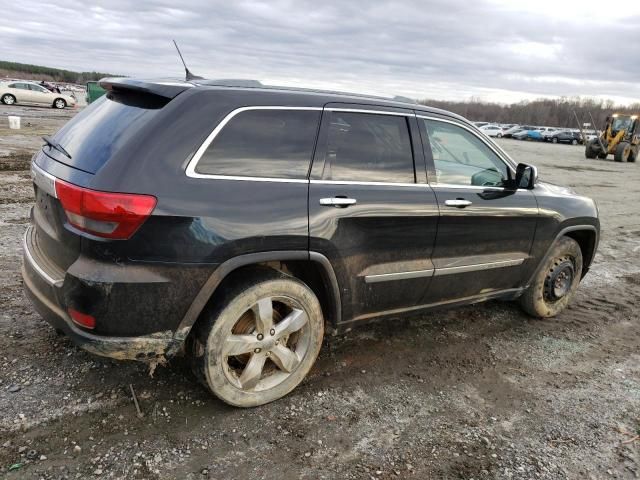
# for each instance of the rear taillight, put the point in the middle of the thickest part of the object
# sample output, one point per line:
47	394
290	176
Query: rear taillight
104	214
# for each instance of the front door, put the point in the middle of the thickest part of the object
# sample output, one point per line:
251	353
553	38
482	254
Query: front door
40	94
486	227
369	212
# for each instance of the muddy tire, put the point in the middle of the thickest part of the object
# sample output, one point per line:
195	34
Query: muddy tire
59	103
556	281
259	342
623	150
590	151
8	99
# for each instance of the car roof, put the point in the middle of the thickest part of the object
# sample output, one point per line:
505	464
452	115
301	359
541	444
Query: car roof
170	87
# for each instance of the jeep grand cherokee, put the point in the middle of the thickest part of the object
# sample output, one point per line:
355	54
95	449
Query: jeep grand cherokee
234	223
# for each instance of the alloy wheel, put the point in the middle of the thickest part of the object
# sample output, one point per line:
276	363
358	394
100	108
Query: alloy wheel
266	344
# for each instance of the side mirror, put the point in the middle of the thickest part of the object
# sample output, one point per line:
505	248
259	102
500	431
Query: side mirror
526	176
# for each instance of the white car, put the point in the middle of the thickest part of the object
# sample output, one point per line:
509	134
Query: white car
547	131
32	93
492	130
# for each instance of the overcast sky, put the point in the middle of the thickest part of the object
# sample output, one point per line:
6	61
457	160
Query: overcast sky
497	50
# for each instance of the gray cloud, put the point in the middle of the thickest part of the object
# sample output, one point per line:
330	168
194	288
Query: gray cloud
449	49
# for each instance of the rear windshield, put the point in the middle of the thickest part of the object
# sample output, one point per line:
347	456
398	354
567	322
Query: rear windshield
98	131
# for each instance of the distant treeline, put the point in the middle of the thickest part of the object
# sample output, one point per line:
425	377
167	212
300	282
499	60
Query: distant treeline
542	112
37	72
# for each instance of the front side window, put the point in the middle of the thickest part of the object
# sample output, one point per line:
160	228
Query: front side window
461	158
263	143
37	88
368	147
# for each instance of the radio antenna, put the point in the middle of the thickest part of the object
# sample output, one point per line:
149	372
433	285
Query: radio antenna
188	75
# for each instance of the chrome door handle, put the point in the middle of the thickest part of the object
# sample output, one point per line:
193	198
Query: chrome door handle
458	202
339	202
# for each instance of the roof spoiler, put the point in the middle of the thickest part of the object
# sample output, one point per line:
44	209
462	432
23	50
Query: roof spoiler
163	88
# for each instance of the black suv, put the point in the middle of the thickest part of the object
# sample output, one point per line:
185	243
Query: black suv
564	136
234	223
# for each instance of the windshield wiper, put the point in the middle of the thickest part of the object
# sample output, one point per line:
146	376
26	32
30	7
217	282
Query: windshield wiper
57	146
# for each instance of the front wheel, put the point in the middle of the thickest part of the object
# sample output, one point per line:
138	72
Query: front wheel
556	282
499	135
554	140
574	142
259	343
59	103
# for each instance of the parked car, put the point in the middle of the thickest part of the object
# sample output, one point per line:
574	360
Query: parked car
492	130
590	135
565	136
521	134
480	124
515	129
32	93
236	234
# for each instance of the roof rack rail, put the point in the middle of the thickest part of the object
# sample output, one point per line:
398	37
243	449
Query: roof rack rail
231	82
400	98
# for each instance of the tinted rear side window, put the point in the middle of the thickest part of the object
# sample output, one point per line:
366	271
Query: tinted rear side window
263	143
100	130
369	148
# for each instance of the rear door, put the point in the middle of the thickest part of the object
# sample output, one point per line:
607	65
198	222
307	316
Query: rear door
21	92
485	230
369	212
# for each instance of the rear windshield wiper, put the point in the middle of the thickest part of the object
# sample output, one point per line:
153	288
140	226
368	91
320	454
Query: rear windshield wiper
57	146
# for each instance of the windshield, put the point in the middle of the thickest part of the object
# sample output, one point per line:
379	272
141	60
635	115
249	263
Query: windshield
621	123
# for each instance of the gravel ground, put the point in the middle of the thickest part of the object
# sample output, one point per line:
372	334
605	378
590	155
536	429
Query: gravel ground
482	392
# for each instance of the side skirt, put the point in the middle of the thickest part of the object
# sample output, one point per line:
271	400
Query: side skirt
509	294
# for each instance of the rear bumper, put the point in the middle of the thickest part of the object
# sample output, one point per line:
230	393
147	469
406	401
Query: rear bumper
45	287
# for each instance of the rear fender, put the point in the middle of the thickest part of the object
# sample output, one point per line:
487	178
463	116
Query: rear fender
216	278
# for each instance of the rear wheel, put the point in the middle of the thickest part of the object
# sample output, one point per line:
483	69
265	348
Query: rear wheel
59	103
8	99
574	142
556	282
623	151
259	344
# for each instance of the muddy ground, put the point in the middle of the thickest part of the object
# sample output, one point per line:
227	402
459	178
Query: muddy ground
482	392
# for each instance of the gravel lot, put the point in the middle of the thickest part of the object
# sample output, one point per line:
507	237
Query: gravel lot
482	392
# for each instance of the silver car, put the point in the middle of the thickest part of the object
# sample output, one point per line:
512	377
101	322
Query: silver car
32	93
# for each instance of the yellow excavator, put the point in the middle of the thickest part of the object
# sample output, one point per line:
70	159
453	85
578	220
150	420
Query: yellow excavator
621	137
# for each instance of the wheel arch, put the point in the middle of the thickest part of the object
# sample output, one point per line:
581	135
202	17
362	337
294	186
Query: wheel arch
587	237
312	268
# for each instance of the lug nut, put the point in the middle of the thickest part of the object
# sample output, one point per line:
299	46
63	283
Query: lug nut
257	350
260	336
273	331
268	354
